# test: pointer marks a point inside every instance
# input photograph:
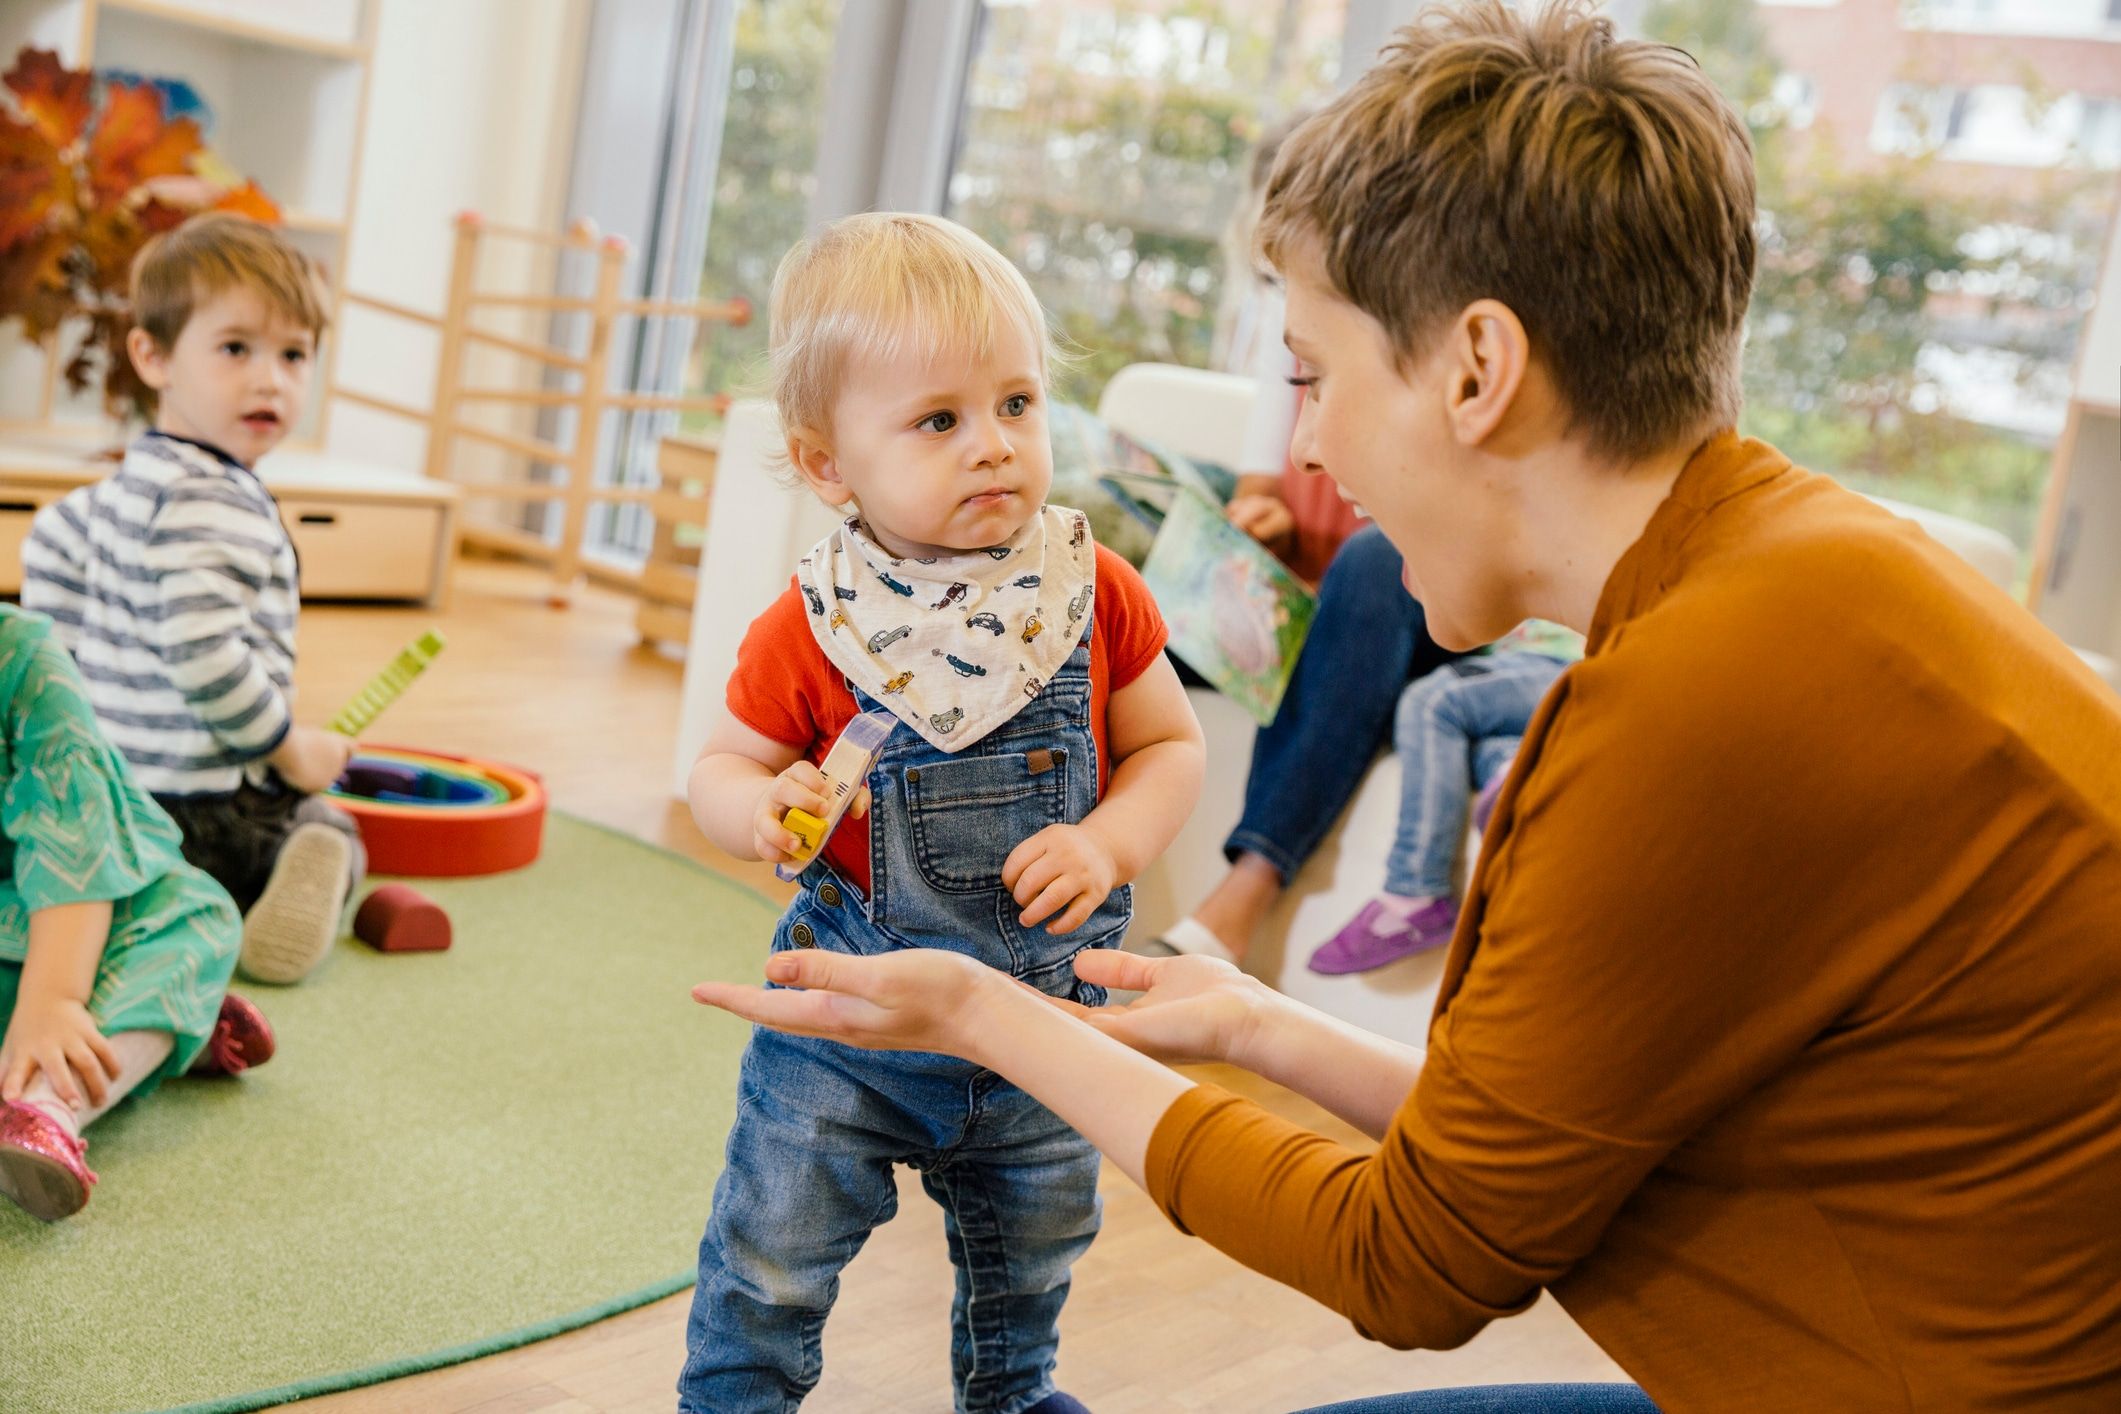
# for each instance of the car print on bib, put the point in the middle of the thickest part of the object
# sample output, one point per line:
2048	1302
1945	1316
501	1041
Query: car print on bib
884	638
990	622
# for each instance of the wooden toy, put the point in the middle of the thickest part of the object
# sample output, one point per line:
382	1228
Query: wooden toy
432	814
386	687
449	421
846	767
399	918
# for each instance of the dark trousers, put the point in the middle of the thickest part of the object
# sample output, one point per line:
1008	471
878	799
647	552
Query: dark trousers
236	838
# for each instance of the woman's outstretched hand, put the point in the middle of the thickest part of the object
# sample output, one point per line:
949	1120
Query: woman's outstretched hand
1190	1008
918	999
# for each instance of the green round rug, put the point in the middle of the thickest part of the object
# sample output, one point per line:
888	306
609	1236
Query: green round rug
452	1153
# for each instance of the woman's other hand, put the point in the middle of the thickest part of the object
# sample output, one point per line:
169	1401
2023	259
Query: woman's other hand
920	999
1190	1008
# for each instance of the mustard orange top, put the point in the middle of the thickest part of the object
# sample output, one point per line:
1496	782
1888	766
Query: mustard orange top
1781	1037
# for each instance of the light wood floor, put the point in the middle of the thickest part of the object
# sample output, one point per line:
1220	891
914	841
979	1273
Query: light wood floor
1157	1321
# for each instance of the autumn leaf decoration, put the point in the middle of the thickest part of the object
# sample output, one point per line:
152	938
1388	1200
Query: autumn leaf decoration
85	180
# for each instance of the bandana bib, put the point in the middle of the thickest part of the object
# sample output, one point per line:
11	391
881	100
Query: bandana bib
953	646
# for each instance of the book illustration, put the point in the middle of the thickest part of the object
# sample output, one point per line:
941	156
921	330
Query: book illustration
1237	616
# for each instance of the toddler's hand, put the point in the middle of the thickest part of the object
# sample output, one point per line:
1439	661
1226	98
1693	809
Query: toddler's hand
1265	518
61	1040
311	759
800	787
1062	869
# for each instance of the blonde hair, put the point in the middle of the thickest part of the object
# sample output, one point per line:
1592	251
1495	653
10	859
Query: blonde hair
1603	190
891	286
218	251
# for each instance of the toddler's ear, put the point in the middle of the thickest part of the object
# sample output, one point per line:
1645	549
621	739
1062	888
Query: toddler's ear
150	361
812	459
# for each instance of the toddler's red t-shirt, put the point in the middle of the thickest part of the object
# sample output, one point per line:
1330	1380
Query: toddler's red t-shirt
785	688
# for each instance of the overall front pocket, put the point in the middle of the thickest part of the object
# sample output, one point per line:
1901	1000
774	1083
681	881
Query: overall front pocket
968	813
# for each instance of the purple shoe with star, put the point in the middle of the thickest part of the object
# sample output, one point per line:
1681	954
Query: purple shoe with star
41	1166
1385	932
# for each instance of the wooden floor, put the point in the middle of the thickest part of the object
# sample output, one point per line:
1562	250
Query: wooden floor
1157	1321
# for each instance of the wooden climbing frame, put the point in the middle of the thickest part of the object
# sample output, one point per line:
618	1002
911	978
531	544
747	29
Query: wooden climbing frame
578	492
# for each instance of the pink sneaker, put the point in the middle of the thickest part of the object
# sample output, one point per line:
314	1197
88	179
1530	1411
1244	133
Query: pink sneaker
1381	934
41	1164
242	1038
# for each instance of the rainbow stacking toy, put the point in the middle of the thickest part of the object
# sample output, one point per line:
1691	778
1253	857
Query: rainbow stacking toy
386	687
431	814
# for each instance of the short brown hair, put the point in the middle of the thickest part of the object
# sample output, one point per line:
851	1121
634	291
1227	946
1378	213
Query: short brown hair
1601	189
217	251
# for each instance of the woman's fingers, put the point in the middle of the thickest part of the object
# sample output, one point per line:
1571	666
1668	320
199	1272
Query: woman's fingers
1109	967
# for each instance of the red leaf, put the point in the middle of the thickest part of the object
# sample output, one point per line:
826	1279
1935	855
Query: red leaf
131	142
54	97
31	179
248	200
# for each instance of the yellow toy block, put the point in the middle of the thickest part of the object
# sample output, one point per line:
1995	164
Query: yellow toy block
805	827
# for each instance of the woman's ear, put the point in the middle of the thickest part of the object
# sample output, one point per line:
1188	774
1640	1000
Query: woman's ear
149	358
812	459
1488	353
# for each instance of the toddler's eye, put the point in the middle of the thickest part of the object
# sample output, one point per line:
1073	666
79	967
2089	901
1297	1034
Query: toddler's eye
234	348
938	421
1018	405
296	355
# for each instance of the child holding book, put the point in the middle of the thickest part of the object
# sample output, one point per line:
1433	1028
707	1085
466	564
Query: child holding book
1043	752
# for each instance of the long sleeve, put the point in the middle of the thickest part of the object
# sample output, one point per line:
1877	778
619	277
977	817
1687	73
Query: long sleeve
1777	1038
82	829
211	554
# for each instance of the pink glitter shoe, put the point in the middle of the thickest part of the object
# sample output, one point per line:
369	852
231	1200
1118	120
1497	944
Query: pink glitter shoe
242	1038
40	1164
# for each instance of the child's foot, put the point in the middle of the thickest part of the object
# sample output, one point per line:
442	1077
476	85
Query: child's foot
1388	929
41	1166
1484	803
1059	1403
242	1038
296	920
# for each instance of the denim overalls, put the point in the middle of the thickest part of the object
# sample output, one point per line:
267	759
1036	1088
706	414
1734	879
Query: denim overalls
819	1125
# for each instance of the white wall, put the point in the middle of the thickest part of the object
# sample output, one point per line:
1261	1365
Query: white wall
471	106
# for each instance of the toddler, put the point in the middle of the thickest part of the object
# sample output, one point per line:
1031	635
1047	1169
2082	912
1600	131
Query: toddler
175	586
1042	752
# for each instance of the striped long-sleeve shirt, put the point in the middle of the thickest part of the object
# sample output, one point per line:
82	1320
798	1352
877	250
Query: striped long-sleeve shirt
174	584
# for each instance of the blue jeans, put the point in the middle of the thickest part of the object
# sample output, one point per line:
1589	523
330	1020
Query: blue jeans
1368	641
820	1125
1504	1399
1457	727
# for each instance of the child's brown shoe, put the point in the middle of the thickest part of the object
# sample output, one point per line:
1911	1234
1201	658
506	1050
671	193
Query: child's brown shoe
296	920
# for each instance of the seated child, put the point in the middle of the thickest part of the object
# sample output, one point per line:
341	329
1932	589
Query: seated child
1043	752
173	583
1457	730
114	953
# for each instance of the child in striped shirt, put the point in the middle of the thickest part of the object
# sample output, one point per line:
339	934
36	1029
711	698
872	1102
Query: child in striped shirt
175	586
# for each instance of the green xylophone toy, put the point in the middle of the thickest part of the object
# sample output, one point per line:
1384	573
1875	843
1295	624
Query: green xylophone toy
385	687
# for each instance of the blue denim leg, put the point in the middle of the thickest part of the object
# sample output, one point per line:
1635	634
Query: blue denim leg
1504	1399
1020	1204
1368	641
1443	719
807	1177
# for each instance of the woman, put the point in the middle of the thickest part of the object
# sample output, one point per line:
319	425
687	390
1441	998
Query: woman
1778	1037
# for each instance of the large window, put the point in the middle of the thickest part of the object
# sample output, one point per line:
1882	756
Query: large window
763	186
1931	222
1104	146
